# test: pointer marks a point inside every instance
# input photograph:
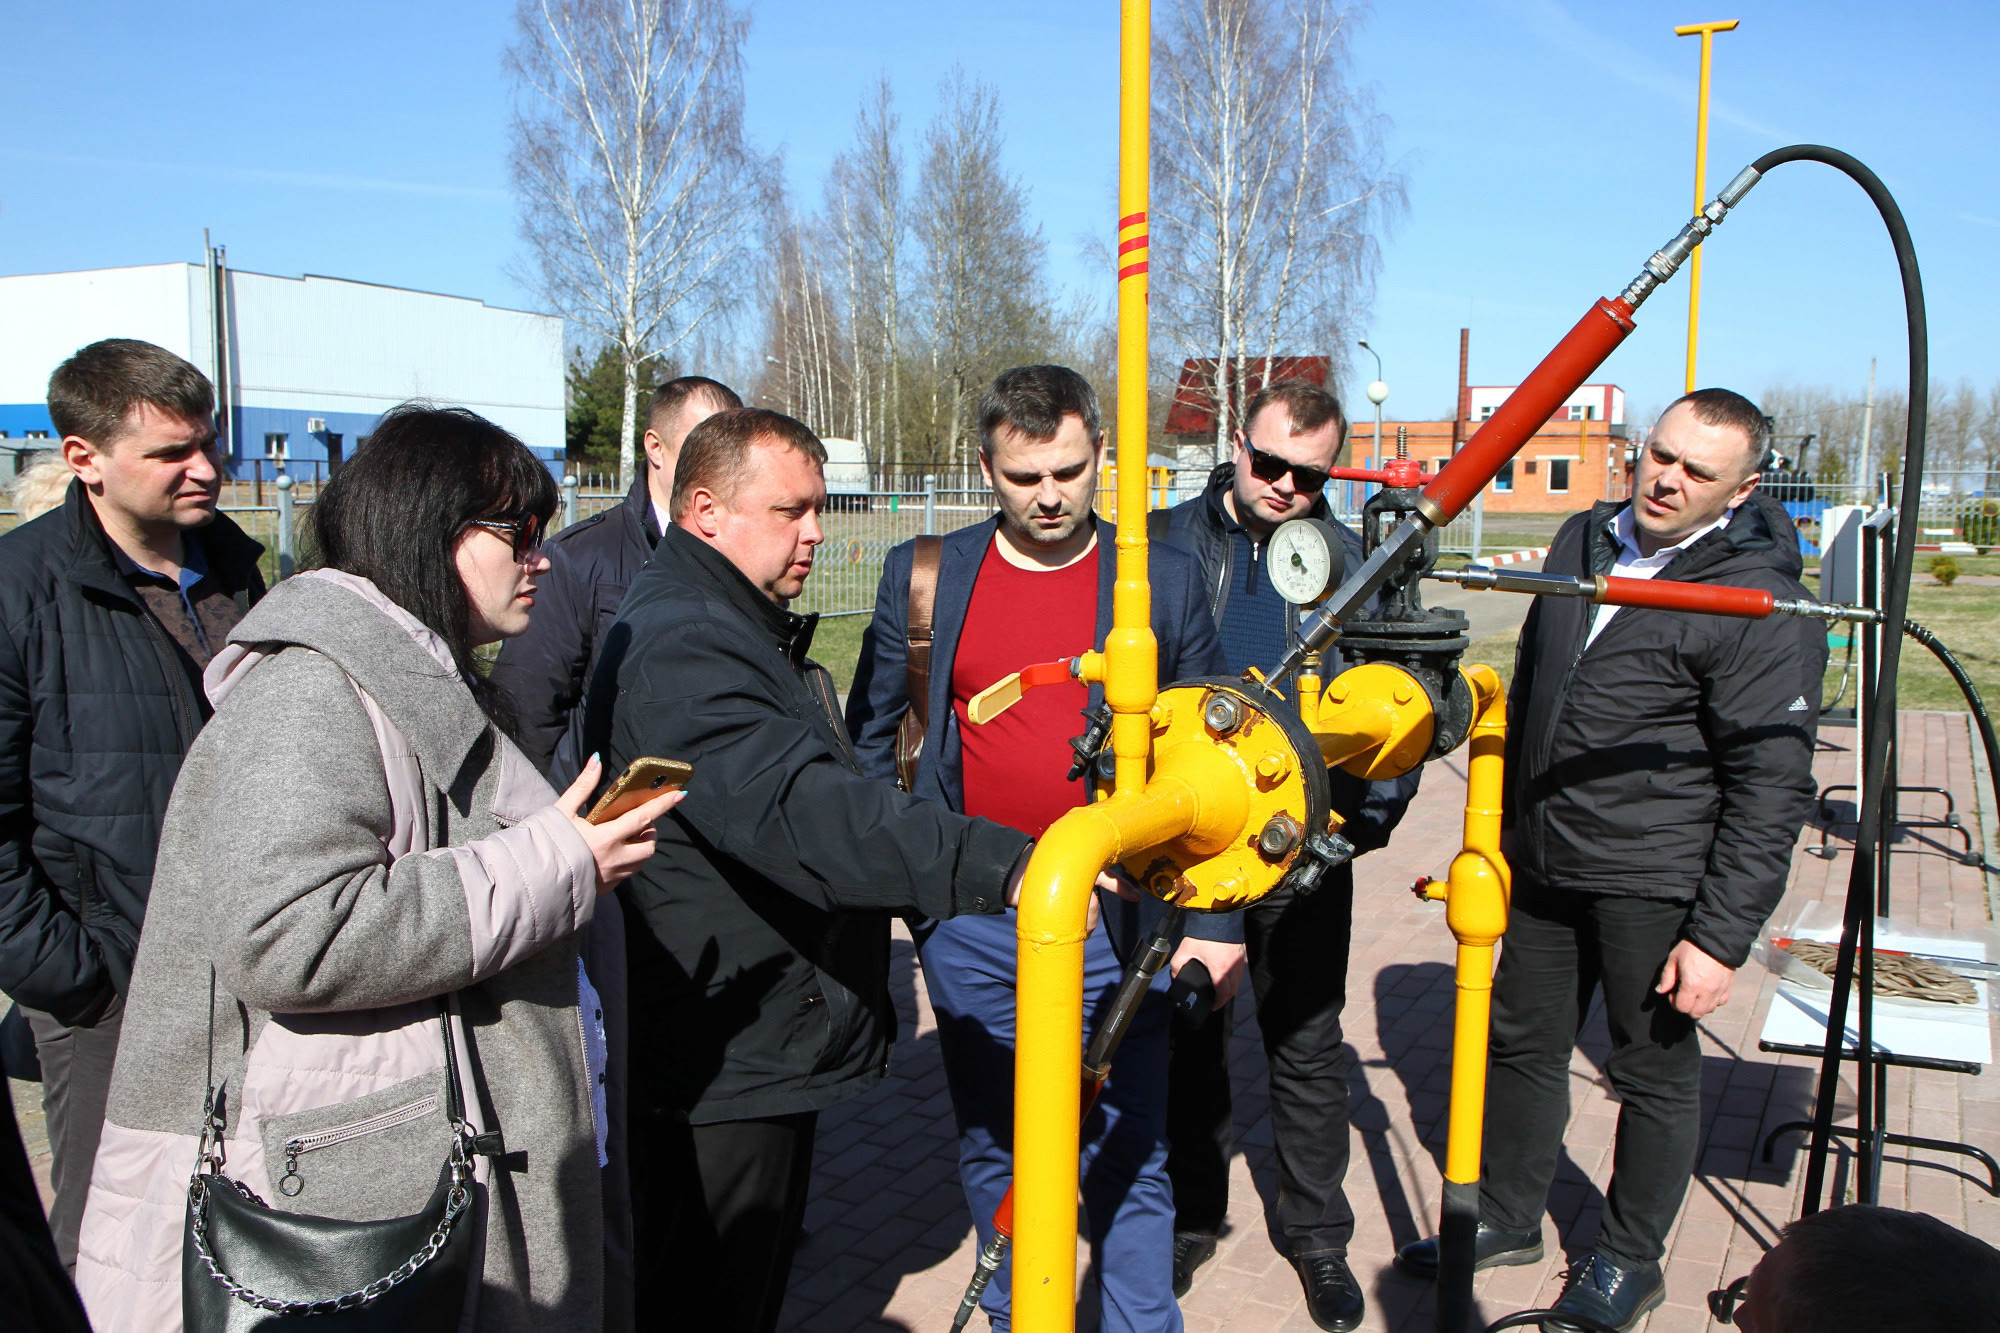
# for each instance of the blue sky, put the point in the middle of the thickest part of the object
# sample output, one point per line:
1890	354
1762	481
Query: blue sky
1548	147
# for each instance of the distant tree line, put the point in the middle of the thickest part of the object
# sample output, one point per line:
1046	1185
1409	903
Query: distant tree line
880	310
1821	430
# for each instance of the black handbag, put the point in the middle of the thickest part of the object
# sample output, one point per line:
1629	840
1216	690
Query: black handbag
245	1265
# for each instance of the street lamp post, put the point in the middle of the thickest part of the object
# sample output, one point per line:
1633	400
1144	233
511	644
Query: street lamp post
1706	31
1378	393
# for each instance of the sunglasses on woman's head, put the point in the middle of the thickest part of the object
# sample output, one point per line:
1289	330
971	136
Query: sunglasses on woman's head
524	532
1270	467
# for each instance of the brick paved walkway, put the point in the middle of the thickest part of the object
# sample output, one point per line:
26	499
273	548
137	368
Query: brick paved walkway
891	1243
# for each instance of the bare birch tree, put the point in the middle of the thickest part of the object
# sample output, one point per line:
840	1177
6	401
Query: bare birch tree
981	294
1270	190
866	211
636	185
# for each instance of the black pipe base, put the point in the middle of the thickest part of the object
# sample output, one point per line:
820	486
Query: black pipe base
1458	1231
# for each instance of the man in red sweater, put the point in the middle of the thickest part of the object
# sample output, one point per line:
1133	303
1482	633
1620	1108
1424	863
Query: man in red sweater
1034	585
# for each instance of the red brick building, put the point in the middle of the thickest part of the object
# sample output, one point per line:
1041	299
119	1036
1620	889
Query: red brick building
1564	467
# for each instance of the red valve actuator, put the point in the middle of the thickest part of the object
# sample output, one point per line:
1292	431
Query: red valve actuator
1396	472
1582	350
1712	599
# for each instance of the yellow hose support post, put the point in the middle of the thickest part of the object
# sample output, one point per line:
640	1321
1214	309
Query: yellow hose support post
1476	898
1055	892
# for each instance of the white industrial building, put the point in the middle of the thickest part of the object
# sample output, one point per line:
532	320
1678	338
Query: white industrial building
304	366
1591	402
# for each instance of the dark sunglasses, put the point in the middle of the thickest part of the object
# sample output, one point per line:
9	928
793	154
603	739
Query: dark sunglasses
524	532
1723	1301
1270	467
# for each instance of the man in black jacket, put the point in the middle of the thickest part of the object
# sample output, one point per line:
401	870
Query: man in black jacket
760	953
1297	946
1659	766
110	607
591	563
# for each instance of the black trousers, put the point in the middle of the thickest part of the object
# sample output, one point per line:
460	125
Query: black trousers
716	1214
76	1084
1560	948
1298	972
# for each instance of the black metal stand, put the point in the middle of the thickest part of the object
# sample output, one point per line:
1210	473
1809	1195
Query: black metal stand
1877	1136
1856	960
1950	823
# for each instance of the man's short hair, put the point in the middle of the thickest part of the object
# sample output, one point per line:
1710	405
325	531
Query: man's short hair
668	397
1884	1270
92	395
1311	406
1726	407
717	452
1033	400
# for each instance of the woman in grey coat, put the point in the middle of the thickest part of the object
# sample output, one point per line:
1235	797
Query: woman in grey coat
352	838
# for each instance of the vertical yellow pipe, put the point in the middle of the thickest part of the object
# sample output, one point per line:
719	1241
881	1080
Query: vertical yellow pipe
1055	891
1476	900
1707	33
1131	669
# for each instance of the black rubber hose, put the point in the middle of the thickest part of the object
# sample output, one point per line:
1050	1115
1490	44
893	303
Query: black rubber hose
1861	882
1972	699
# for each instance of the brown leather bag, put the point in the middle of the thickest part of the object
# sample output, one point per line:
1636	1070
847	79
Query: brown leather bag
917	660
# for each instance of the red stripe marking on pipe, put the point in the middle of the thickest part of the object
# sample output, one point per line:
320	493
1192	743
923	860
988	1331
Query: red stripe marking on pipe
1131	270
1130	220
1136	243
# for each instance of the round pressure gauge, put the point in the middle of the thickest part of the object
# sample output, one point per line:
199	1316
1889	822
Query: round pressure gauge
1307	560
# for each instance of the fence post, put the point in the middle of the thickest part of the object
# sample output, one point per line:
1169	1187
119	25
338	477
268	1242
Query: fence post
569	484
930	504
1478	523
287	560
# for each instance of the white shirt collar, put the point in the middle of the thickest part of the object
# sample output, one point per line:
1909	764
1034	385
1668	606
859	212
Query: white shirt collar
1626	533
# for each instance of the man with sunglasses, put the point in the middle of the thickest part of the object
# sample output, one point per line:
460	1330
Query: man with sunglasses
1296	947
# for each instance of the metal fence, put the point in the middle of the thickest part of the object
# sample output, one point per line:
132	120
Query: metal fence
861	528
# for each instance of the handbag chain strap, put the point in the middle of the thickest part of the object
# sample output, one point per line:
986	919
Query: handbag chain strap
457	1199
455	1204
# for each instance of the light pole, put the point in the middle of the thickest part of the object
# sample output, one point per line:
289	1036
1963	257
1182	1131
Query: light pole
1378	393
1707	32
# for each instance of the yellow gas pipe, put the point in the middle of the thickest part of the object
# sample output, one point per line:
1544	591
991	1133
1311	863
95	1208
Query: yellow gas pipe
1476	895
1056	890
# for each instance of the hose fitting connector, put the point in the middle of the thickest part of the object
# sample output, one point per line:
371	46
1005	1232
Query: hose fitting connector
1667	260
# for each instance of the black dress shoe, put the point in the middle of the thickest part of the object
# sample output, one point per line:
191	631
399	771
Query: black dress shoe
1333	1297
1191	1251
1608	1294
1491	1248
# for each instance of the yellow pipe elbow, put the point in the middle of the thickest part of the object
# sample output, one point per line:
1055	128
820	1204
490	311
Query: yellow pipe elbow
1051	927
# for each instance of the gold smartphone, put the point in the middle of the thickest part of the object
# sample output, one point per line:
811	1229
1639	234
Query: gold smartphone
643	780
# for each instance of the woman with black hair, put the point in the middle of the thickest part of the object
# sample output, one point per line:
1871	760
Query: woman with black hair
360	872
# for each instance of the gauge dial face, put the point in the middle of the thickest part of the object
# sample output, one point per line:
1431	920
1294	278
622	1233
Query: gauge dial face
1304	561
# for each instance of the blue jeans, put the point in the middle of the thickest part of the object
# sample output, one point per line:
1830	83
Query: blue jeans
1128	1204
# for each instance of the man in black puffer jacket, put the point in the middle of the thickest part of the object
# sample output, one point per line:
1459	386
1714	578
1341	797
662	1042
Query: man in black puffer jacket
1659	767
591	563
109	609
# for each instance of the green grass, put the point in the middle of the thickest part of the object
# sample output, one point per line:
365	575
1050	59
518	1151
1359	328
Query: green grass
836	646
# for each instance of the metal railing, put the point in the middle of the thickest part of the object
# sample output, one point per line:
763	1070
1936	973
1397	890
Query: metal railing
862	528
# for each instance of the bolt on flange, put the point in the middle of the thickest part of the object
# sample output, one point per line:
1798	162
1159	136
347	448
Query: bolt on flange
1279	837
1223	713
